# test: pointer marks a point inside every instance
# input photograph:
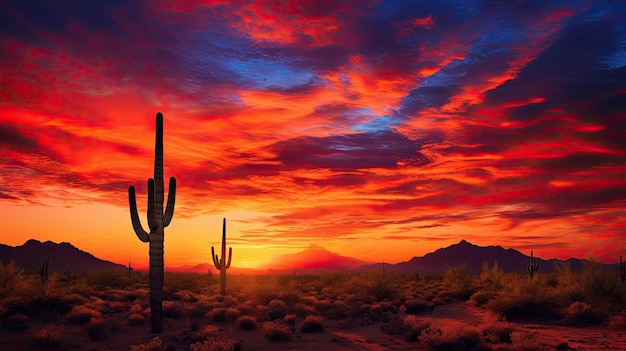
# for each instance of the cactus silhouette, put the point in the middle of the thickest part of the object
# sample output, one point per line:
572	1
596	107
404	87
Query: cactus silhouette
129	268
43	271
157	221
221	263
533	268
622	269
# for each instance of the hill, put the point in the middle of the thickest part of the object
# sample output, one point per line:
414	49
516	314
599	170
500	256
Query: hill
62	257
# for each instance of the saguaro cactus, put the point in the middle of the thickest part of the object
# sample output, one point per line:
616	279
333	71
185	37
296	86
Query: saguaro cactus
157	221
221	263
129	268
533	268
622	269
43	271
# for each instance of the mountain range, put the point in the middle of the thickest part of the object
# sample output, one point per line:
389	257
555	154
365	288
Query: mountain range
65	256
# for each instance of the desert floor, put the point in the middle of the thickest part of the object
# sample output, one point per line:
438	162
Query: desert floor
177	334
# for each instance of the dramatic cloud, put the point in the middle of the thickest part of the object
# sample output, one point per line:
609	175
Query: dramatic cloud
368	127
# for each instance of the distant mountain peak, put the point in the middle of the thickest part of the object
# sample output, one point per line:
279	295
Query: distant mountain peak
313	257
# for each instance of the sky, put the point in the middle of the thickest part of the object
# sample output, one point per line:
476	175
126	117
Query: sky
380	130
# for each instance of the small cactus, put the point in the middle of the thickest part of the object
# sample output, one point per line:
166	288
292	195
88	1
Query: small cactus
129	268
222	264
622	269
43	271
533	268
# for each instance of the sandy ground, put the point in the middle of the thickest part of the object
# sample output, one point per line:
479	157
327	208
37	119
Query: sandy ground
370	337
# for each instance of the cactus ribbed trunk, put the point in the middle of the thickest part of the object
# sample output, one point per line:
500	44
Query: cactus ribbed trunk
156	280
157	221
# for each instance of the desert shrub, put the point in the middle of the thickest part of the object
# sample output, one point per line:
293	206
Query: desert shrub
185	295
172	309
155	344
599	285
527	342
276	331
491	277
595	284
497	332
16	322
97	329
264	294
232	314
222	343
382	288
246	323
525	299
218	314
416	306
247	307
276	309
619	321
113	306
208	332
312	324
395	326
290	295
581	312
482	297
457	283
81	315
106	279
136	319
302	310
48	336
11	275
452	338
173	282
290	319
415	327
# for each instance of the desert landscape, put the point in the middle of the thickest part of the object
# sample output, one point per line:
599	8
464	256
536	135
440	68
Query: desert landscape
312	175
581	308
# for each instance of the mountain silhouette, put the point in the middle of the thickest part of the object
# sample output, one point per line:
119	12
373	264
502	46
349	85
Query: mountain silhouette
472	256
62	257
314	257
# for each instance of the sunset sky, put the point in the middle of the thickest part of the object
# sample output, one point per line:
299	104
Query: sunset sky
379	130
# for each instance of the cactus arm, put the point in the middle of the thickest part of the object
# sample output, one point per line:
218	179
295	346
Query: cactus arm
171	199
134	216
216	261
153	221
230	256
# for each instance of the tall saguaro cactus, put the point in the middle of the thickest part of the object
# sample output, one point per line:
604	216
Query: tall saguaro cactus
157	221
533	268
221	263
622	269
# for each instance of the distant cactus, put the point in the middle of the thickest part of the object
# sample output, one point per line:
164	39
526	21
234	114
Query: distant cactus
43	271
222	264
622	269
417	275
157	221
533	268
129	268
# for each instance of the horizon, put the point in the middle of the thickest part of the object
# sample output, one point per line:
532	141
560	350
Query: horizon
377	130
285	264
